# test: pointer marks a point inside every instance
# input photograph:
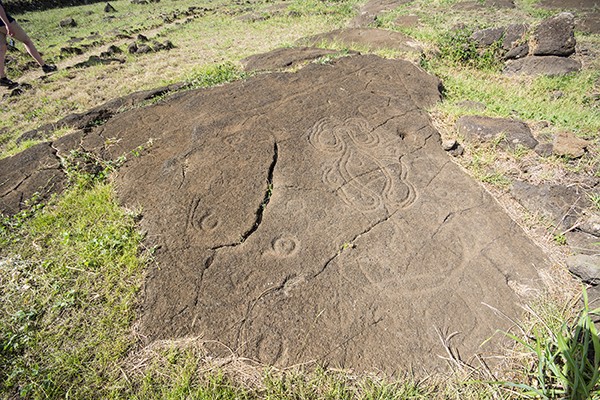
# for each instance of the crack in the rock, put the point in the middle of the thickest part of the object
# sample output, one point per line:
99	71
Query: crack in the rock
396	116
16	186
261	208
350	244
348	339
437	173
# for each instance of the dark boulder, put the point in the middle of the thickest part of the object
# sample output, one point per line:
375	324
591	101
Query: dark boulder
555	36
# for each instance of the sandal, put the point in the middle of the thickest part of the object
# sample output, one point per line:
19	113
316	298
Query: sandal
8	83
47	68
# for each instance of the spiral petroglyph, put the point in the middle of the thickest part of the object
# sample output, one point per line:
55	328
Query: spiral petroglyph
358	175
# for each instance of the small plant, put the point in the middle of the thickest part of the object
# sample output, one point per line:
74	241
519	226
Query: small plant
567	359
560	239
215	75
458	48
595	199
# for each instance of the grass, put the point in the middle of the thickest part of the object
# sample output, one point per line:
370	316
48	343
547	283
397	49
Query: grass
69	276
566	357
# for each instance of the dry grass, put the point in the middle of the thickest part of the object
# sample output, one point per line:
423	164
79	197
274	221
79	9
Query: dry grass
212	39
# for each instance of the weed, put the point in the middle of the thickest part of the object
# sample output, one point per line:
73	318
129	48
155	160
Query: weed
457	48
560	239
567	358
213	75
69	275
595	199
84	169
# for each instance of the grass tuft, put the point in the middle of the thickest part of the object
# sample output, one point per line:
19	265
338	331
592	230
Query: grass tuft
566	358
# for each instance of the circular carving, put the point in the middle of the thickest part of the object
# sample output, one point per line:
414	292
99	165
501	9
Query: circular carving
209	222
284	246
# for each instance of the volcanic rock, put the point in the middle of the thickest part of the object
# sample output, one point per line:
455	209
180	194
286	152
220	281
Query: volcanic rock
314	216
284	58
369	12
511	133
517	52
487	37
479	5
562	204
35	172
555	36
67	22
586	267
569	4
548	65
514	35
374	39
568	145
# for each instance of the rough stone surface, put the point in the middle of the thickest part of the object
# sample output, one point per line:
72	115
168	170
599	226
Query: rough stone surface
485	129
562	204
569	4
108	8
544	149
568	145
284	58
487	37
143	49
585	267
478	5
517	52
588	23
591	225
315	216
67	22
369	12
514	35
374	39
583	243
35	170
536	65
100	114
554	36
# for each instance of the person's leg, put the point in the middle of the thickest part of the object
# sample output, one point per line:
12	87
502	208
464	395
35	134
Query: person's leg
3	49
20	35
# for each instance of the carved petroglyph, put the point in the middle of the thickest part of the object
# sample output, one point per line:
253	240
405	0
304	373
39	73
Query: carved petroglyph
200	219
358	173
284	246
209	222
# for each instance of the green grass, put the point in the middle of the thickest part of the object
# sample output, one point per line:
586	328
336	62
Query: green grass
69	276
526	98
566	358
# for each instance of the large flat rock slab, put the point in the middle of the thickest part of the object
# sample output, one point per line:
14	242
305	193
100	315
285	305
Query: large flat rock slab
369	12
283	58
370	38
314	216
34	174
